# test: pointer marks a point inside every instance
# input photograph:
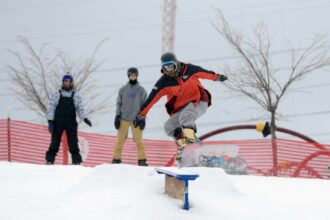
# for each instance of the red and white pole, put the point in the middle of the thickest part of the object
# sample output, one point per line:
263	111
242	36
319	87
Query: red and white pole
65	149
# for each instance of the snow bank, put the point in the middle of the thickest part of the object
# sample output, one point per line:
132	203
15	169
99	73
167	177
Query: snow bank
33	192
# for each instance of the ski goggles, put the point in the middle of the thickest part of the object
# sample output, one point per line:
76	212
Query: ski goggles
169	66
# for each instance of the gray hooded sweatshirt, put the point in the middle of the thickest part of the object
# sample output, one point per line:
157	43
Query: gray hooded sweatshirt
129	100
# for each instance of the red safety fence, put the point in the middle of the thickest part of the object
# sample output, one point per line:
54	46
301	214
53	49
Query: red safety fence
27	142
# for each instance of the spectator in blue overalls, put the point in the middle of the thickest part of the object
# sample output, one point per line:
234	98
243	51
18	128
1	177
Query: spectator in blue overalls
62	109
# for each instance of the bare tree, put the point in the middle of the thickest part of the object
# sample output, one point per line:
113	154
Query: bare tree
255	75
36	75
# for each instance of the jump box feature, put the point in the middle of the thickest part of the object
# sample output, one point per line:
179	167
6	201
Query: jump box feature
176	183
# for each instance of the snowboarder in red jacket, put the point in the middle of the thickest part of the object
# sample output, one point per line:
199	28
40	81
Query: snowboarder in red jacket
187	99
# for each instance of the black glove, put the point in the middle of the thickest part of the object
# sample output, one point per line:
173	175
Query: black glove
117	122
50	126
88	122
140	121
222	78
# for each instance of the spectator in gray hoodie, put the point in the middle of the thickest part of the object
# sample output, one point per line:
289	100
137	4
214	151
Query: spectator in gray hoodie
130	97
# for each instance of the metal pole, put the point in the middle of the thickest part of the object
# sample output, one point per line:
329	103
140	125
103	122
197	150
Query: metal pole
9	139
186	194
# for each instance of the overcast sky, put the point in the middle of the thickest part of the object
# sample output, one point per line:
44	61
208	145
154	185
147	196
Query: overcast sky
134	30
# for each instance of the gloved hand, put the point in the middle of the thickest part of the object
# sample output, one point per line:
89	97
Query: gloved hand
222	78
140	121
117	122
88	122
50	126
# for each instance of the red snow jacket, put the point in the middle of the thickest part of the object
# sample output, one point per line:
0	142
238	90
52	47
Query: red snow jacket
180	91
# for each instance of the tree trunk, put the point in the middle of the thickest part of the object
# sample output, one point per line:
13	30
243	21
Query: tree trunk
274	143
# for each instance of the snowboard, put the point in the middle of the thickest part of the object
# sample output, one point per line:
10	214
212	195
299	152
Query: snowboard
213	155
190	155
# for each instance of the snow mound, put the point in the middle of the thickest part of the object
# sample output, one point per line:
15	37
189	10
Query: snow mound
129	192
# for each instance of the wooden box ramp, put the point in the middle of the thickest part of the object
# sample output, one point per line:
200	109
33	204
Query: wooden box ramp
177	183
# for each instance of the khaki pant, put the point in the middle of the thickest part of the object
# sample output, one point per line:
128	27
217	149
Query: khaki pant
121	138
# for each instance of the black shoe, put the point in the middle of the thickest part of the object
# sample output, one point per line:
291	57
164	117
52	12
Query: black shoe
49	163
76	163
116	161
142	163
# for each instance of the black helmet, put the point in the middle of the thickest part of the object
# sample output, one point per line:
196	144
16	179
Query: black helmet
132	70
166	57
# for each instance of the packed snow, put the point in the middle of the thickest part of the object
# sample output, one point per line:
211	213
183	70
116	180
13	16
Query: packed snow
33	192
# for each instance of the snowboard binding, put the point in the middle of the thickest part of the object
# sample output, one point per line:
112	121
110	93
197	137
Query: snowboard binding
188	138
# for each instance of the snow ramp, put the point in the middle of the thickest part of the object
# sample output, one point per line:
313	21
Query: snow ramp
130	192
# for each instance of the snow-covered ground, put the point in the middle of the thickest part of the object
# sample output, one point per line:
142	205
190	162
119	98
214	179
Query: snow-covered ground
33	192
